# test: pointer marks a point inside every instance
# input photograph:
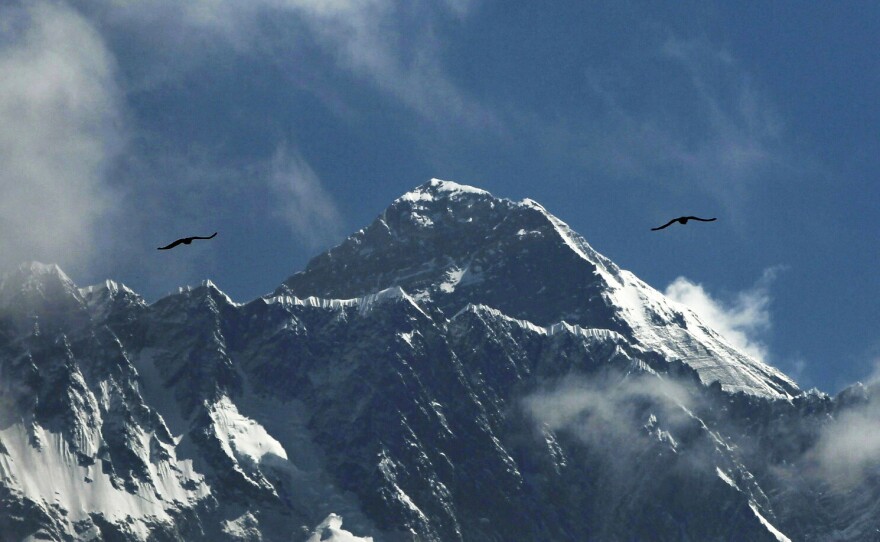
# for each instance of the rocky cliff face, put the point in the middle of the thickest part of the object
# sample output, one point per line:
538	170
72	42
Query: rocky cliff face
464	368
449	246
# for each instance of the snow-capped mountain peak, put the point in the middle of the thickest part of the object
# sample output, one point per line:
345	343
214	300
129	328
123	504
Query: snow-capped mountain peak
439	189
112	288
41	297
35	280
452	245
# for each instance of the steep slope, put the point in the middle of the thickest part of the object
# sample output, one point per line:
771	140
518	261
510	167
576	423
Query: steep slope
80	451
453	245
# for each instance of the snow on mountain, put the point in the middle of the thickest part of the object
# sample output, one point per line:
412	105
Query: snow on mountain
464	368
80	448
450	245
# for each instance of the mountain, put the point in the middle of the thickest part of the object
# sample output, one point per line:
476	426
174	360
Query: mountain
452	245
466	367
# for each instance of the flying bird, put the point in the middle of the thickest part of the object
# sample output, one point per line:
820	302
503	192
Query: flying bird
185	241
683	220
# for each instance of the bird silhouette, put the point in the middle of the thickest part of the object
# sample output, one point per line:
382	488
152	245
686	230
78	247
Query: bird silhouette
185	241
683	220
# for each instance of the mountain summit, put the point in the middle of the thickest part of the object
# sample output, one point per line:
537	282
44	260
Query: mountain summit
465	368
453	245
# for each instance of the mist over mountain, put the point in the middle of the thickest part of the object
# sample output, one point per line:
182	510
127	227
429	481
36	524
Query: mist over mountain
465	367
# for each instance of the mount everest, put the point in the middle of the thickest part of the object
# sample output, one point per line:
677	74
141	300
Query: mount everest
465	367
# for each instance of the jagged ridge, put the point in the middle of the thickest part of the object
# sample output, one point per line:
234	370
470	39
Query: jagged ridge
400	396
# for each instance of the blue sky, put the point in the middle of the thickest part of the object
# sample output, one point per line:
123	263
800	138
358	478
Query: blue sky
287	124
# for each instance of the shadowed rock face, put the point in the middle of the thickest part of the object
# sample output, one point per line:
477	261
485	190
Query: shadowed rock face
457	246
464	368
449	245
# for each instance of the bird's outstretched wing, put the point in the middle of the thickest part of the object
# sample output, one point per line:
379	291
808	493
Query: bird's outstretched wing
209	237
186	240
172	245
701	219
664	225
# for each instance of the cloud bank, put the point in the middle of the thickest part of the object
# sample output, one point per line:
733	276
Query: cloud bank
848	448
60	124
743	321
846	453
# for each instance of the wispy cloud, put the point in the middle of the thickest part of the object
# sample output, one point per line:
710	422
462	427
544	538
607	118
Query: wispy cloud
299	199
742	125
60	127
617	418
607	405
743	320
699	121
847	451
390	44
376	40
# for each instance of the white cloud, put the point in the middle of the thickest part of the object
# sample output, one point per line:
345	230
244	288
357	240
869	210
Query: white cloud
598	407
59	129
330	530
848	445
388	43
742	321
300	200
617	418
